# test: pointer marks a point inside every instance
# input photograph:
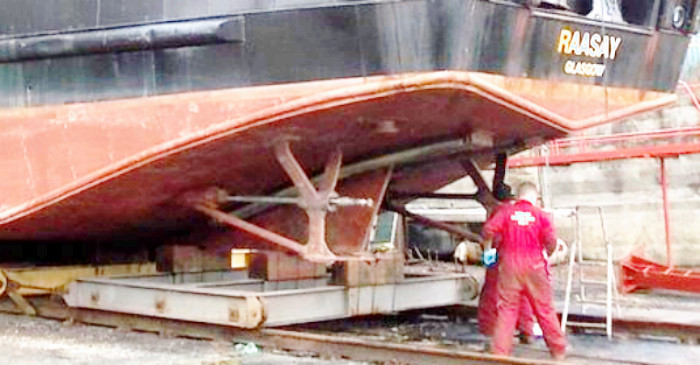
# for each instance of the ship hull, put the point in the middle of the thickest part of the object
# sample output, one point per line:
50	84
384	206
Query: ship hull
110	114
86	171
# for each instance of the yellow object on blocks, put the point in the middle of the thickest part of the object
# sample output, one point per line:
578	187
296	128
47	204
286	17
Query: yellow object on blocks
240	258
51	279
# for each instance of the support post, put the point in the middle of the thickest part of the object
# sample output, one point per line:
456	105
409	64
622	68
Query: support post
263	233
499	174
667	219
315	203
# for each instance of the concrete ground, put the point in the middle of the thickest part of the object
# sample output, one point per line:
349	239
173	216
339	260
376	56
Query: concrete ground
36	341
597	349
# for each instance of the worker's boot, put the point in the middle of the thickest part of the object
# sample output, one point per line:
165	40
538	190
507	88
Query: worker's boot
559	356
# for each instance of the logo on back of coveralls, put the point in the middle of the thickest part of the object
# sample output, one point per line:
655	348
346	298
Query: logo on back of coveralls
523	218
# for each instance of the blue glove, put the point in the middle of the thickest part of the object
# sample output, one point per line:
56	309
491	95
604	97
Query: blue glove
490	257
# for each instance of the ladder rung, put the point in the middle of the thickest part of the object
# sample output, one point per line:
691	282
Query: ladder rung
592	263
593	301
587	324
594	282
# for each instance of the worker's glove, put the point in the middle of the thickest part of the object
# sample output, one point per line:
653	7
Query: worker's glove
490	257
559	254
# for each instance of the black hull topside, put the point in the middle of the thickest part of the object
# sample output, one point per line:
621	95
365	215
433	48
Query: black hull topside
64	51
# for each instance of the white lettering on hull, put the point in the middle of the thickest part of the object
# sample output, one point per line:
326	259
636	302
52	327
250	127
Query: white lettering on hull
591	45
584	69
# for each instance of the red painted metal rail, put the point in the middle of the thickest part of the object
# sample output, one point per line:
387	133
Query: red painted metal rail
660	143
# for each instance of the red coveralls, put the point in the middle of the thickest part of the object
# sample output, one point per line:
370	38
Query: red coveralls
522	271
486	313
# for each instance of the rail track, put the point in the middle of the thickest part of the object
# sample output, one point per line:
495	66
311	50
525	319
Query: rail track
349	339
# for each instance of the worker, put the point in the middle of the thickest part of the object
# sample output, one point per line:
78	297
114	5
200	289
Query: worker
486	312
525	231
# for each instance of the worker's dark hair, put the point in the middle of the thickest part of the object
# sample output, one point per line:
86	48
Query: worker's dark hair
526	188
502	191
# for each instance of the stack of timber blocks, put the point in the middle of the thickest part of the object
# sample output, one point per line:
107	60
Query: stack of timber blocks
190	258
383	271
279	266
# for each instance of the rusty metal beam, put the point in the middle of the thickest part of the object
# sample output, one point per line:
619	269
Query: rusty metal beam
291	166
331	174
484	194
251	228
458	231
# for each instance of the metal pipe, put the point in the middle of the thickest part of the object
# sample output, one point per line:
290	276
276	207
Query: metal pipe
424	195
667	220
410	157
342	201
263	199
128	38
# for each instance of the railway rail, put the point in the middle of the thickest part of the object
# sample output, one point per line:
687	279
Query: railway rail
345	339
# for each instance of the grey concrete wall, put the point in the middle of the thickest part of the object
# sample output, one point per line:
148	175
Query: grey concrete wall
630	195
630	192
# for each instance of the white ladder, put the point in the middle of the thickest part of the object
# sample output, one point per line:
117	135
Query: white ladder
609	282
